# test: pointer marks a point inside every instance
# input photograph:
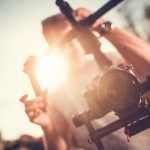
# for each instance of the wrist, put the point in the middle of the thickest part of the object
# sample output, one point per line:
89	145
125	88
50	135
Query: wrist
47	128
46	122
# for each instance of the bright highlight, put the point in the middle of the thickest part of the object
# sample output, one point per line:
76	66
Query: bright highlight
52	71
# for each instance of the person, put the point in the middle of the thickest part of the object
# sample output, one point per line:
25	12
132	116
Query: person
133	49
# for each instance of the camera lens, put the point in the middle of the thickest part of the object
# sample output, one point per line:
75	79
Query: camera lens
118	89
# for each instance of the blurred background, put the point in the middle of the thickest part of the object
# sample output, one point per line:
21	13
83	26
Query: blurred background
21	36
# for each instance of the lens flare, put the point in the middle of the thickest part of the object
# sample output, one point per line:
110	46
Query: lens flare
51	71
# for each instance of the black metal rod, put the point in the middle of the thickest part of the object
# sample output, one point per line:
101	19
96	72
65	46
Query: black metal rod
66	10
118	125
100	12
92	131
138	127
85	36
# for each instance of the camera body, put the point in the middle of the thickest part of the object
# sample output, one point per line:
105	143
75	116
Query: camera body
116	90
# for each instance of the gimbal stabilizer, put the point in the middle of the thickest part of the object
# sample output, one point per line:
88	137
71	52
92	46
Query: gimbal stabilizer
125	99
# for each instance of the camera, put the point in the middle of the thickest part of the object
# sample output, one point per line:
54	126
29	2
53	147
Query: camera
116	90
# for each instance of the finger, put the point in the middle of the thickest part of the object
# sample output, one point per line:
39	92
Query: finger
23	99
33	101
38	112
98	23
30	108
28	103
42	106
34	106
31	114
83	12
36	117
34	114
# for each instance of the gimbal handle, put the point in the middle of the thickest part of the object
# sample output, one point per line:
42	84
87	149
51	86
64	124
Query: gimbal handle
67	10
86	38
135	123
100	12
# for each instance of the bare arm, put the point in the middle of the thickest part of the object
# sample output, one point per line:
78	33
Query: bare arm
135	50
56	135
53	141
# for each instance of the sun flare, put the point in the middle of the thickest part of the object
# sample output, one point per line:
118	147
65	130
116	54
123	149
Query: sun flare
51	71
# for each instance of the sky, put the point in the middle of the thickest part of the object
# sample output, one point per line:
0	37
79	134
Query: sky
20	37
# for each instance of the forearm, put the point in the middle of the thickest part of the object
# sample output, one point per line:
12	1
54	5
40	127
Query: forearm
57	132
132	48
52	140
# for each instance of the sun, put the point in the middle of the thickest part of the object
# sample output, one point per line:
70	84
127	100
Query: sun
51	71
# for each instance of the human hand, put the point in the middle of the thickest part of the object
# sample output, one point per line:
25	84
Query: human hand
82	13
37	110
